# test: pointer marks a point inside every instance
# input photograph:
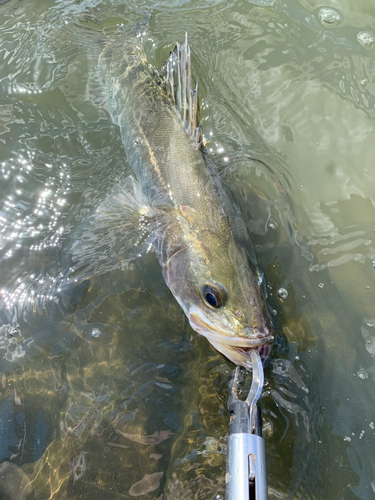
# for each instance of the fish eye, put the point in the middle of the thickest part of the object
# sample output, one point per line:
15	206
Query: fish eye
214	295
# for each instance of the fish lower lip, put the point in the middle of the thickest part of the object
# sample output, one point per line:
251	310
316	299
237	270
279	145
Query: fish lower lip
220	338
241	355
240	342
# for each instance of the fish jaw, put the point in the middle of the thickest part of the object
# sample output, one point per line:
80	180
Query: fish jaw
241	356
235	348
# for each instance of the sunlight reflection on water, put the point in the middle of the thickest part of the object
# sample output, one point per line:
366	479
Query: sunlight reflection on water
288	83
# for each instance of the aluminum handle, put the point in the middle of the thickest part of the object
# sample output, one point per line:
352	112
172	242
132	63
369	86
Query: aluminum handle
246	475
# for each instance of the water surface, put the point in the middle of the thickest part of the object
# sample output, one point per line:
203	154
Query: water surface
106	392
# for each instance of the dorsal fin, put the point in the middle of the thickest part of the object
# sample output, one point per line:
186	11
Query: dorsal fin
176	74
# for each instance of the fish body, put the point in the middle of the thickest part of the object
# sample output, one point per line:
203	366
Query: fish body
198	231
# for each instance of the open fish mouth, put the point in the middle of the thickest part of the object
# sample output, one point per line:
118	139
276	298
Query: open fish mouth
236	349
242	356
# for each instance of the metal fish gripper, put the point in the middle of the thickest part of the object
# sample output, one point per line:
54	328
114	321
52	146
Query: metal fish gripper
246	475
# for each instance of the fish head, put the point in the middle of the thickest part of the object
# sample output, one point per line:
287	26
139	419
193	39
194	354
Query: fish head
218	286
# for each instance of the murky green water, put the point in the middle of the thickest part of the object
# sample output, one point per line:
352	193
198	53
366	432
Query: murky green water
106	392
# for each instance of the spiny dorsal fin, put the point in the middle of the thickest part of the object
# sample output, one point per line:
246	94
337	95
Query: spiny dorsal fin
176	74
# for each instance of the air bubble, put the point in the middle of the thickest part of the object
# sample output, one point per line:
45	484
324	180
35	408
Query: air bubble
365	38
362	374
272	224
96	333
321	285
329	16
13	331
283	293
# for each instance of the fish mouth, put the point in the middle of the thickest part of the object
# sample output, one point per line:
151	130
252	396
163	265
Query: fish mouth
219	337
242	356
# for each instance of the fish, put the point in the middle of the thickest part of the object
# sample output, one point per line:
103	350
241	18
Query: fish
191	217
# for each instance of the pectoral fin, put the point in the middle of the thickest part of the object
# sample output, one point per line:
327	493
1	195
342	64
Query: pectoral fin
121	227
